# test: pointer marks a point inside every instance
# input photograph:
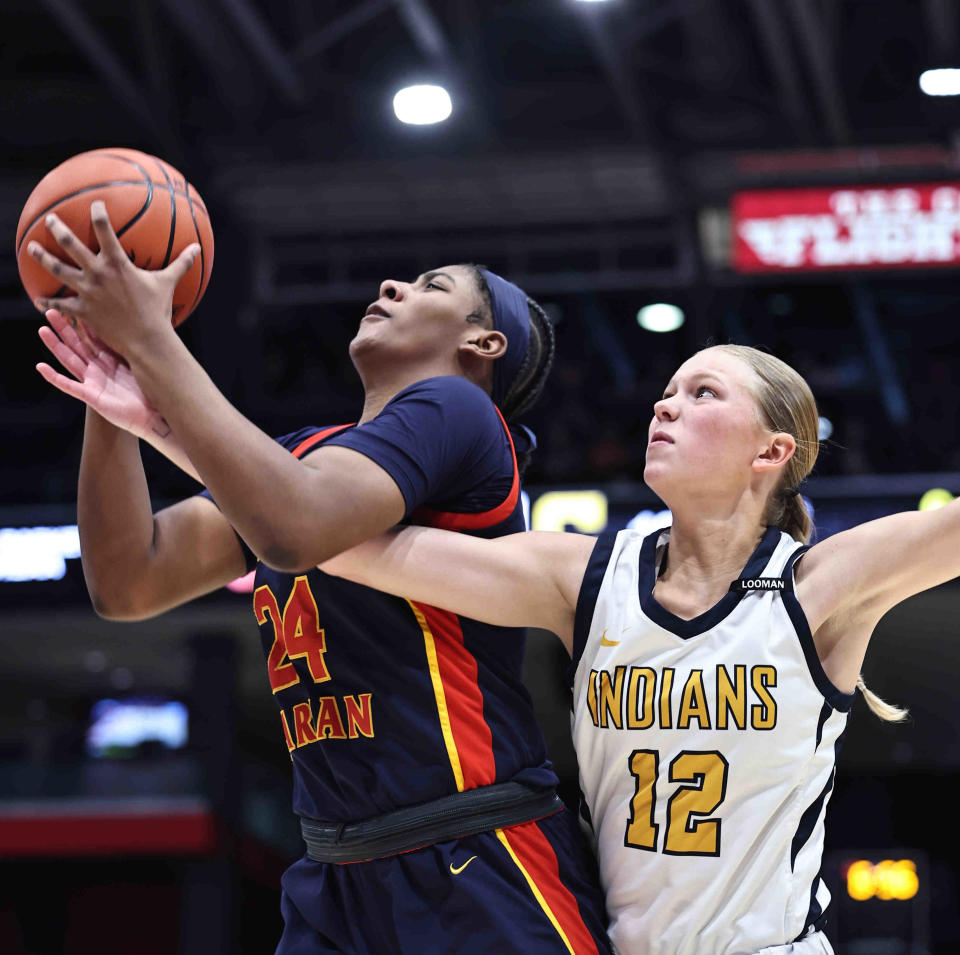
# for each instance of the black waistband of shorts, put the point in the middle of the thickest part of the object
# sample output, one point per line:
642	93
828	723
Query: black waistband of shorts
451	817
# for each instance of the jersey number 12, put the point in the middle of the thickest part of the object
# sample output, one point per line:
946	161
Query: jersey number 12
689	831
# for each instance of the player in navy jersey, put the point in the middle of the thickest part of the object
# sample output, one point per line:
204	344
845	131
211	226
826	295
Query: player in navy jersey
714	662
426	798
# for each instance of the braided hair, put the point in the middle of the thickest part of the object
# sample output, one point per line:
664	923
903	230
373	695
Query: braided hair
524	390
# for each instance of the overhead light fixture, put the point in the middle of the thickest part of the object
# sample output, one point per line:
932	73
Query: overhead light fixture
945	82
660	317
422	105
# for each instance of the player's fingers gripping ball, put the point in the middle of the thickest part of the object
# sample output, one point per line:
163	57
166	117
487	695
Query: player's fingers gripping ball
154	211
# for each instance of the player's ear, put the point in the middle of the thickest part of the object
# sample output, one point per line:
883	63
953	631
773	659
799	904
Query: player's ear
775	453
485	343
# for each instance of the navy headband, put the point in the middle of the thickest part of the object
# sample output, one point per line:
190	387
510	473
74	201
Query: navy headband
511	315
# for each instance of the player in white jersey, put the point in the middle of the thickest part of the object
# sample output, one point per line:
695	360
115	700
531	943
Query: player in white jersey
709	746
714	661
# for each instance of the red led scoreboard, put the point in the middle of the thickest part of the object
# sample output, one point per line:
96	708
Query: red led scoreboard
881	227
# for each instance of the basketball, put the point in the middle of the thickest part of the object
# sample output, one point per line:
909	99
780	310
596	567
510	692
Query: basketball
154	211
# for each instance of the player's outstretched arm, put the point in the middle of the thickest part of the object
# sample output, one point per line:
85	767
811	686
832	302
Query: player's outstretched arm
136	563
523	580
847	582
292	514
105	383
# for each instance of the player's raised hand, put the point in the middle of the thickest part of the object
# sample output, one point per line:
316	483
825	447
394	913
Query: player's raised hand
123	304
101	379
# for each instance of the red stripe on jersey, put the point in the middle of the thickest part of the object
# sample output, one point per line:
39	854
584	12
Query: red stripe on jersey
458	674
532	849
308	443
455	521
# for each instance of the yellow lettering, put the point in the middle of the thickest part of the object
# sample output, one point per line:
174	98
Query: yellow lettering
592	697
640	717
666	685
763	715
732	697
611	697
693	703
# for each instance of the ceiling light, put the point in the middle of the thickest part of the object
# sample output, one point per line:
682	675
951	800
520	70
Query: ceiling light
940	82
660	317
422	105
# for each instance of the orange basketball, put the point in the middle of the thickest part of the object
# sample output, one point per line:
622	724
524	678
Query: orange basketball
155	212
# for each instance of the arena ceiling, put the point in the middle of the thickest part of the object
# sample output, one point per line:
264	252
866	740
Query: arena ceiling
622	106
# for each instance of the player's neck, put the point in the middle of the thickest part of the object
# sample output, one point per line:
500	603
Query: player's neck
379	390
704	556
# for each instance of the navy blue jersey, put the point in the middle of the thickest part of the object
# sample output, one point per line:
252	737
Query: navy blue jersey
384	702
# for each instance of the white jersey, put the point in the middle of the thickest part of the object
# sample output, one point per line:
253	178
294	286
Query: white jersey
707	750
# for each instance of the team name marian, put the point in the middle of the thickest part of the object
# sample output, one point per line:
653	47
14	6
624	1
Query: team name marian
637	698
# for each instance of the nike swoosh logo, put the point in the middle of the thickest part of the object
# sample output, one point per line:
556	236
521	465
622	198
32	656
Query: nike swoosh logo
604	642
456	870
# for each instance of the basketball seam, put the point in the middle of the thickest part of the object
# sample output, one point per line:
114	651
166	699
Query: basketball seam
203	260
173	216
146	179
169	184
100	185
79	192
146	205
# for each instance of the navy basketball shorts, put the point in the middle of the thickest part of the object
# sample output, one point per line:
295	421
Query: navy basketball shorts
529	889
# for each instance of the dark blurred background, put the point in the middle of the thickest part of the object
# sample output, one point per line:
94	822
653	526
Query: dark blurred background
606	156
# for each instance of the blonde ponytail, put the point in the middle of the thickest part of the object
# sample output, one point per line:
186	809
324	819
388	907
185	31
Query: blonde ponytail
886	711
794	518
786	404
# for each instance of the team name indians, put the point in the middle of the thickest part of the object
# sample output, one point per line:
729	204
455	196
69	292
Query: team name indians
637	698
297	634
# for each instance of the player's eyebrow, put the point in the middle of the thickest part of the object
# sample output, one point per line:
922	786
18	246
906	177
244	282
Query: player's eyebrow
427	276
696	376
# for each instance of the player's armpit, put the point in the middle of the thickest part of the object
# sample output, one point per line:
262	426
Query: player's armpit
194	552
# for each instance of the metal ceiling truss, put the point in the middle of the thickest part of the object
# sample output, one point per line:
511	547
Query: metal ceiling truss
275	62
339	27
608	55
783	65
818	50
220	56
943	25
97	51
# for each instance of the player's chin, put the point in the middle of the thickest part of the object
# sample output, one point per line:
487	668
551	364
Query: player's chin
656	474
365	339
